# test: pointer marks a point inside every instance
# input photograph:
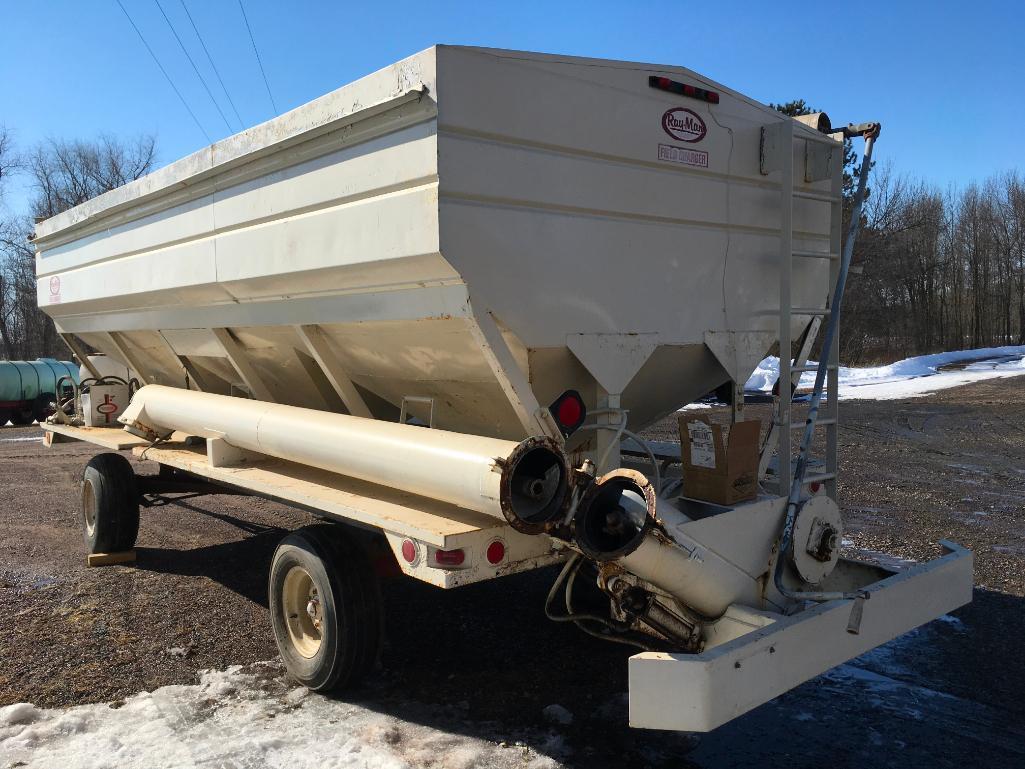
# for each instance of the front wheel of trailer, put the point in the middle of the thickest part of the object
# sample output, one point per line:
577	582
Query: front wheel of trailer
110	504
325	607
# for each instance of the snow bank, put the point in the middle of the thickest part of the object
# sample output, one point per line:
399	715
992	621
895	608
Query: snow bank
239	718
909	378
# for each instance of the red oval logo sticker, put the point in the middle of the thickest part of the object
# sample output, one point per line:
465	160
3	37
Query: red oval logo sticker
684	125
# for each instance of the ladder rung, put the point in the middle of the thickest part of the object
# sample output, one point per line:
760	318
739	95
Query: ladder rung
816	255
808	311
822	197
801	425
793	369
820	478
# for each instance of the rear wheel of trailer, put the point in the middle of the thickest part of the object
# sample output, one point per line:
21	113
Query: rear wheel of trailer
325	607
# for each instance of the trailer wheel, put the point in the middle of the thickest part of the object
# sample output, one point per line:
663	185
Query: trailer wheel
5	416
110	504
43	408
23	416
325	607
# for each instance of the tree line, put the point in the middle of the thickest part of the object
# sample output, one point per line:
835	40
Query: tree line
936	270
932	269
62	174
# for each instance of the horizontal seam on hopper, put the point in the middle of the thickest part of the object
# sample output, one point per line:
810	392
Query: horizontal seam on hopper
482	200
414	185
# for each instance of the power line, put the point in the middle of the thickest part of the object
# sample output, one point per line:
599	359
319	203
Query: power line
194	67
213	66
161	67
257	52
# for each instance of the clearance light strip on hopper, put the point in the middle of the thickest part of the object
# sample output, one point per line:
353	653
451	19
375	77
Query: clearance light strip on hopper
665	84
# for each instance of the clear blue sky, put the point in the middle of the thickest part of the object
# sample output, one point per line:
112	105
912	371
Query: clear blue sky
947	79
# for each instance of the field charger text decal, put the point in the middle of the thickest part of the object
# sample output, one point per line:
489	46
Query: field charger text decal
687	157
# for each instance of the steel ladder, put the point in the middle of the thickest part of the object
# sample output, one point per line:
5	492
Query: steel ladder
823	156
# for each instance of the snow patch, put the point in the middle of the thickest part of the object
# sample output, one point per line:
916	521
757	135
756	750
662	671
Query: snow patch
908	378
243	718
18	713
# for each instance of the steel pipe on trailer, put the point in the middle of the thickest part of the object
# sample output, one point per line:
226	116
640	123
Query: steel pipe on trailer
525	483
621	520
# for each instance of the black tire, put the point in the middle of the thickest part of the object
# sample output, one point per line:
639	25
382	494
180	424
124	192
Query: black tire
23	416
43	408
110	504
345	645
5	417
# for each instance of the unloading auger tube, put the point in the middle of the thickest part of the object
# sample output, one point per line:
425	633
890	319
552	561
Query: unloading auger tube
525	483
620	521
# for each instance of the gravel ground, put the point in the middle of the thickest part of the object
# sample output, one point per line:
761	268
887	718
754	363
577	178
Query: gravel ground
483	659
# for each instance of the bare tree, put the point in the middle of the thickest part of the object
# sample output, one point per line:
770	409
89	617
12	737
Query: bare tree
68	173
63	174
8	164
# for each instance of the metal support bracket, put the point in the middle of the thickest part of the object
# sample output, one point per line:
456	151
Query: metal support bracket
421	399
131	360
220	453
312	337
194	377
770	148
240	362
818	151
514	383
79	352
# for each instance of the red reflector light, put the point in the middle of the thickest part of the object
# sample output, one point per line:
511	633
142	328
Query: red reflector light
450	557
495	552
409	550
569	411
814	488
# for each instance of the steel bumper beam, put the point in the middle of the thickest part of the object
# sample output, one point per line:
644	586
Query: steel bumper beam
700	692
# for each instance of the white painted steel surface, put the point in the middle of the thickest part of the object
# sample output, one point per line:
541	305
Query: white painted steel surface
699	692
463	470
400	215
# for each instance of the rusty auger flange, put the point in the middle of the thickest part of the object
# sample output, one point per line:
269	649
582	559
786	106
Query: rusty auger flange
536	475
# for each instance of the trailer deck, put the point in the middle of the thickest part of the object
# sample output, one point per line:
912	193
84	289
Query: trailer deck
430	524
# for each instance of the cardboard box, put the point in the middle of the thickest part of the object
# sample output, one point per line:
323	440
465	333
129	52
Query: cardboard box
716	467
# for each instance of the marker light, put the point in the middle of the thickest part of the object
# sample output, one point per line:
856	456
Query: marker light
495	552
449	557
409	550
665	84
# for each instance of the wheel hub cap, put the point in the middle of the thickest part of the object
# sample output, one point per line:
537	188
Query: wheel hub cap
300	604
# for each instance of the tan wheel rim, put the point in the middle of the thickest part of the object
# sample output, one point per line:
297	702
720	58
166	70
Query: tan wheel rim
88	507
304	614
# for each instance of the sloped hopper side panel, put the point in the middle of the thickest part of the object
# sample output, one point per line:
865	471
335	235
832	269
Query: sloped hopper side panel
557	211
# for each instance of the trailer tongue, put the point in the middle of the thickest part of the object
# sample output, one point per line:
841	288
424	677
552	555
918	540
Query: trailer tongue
431	306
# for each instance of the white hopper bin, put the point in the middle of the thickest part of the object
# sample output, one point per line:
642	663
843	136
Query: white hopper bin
485	229
465	240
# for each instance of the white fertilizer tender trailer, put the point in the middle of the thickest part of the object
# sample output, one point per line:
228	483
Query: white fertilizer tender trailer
430	306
